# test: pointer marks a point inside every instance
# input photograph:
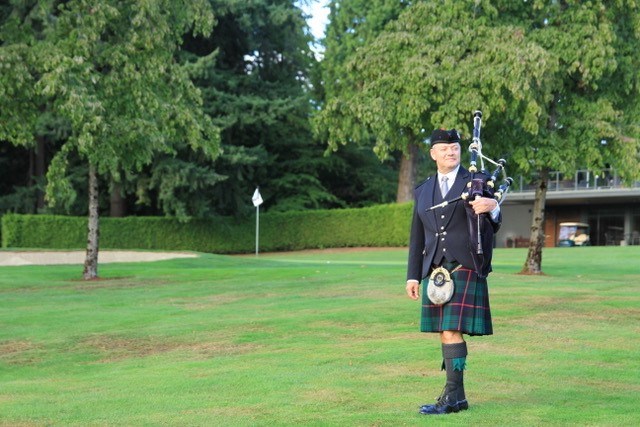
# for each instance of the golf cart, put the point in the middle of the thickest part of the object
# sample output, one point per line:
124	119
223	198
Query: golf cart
573	234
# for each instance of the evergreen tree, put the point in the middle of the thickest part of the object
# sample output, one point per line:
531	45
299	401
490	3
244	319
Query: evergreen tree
254	75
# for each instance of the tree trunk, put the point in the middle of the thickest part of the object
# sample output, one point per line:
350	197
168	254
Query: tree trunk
30	179
533	264
118	206
93	234
407	175
40	170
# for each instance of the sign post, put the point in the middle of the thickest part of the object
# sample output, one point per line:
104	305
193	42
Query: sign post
257	201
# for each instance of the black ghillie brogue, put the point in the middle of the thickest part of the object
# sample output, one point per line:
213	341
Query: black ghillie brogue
463	405
445	404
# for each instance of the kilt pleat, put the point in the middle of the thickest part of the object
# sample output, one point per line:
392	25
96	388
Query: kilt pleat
468	310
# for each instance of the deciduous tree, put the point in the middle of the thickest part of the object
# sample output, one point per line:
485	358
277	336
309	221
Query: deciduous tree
553	80
107	68
354	24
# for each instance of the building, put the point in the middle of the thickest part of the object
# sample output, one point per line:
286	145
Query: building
611	209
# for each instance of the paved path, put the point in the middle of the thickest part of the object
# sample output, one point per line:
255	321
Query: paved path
8	258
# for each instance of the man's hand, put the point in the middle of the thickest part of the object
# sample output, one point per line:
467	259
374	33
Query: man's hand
413	289
483	205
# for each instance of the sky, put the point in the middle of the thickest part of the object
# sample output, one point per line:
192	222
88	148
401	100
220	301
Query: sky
319	11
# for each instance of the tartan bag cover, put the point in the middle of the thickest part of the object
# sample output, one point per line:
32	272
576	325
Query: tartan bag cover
468	310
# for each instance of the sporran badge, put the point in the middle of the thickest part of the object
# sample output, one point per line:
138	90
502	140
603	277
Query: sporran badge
440	286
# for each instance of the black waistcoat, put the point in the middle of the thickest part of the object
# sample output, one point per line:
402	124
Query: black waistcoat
451	231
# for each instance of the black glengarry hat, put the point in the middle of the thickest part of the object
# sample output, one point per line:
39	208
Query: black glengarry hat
439	136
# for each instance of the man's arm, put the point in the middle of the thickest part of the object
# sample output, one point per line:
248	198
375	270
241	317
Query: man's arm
416	246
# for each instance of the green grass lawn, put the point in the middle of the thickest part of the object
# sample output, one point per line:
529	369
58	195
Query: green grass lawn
325	338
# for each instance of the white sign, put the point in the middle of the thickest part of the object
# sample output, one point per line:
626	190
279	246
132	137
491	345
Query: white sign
257	198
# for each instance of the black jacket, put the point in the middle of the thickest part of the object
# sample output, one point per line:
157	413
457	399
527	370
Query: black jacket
453	227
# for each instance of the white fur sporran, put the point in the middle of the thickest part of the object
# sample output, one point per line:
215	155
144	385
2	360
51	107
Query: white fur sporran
440	286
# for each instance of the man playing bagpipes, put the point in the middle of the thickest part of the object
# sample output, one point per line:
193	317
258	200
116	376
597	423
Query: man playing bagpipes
455	217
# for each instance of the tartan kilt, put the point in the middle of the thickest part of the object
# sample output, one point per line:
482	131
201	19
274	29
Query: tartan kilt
468	310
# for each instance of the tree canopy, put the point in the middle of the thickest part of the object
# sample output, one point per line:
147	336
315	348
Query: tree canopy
253	73
107	70
524	64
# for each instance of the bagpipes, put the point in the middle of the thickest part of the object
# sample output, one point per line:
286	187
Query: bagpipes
481	184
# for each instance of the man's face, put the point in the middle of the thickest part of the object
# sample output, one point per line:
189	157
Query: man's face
446	156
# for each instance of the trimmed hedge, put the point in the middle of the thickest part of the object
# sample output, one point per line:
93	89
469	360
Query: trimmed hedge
383	225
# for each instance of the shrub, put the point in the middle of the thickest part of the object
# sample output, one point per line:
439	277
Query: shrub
383	225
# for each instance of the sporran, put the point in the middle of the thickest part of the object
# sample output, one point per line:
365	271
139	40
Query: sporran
440	286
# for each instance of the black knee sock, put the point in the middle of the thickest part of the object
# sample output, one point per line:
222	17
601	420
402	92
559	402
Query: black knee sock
455	356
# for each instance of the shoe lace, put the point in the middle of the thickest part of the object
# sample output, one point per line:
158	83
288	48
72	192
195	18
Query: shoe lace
445	397
440	399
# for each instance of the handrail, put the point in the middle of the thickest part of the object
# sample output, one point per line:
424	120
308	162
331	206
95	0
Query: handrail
583	179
